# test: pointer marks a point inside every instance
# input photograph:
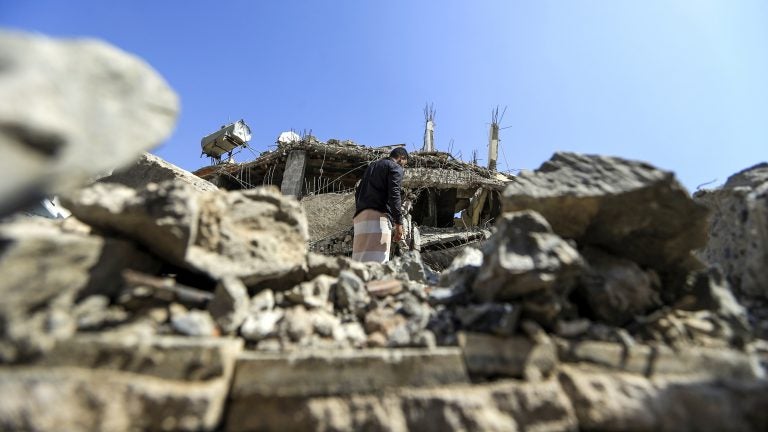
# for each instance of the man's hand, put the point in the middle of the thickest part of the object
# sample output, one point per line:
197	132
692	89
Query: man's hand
398	234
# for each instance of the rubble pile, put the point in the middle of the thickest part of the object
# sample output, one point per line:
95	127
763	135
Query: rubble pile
165	303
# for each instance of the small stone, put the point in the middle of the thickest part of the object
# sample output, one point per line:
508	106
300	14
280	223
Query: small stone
263	301
572	328
497	318
377	340
383	320
383	288
325	323
229	306
351	294
194	323
354	334
258	326
297	323
313	294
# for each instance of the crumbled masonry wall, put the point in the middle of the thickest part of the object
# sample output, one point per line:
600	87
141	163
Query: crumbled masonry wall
328	214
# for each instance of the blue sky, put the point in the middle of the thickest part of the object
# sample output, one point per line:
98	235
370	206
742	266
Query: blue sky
680	84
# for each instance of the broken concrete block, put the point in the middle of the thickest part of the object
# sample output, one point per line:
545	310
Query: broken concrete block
149	168
296	324
651	360
166	384
230	304
263	301
523	257
617	289
255	234
177	358
463	269
628	208
45	270
312	294
502	406
738	230
516	356
61	96
496	318
351	294
343	372
261	324
621	401
192	322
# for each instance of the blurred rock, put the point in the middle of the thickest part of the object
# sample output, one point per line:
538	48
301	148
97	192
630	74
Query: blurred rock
383	288
254	234
524	257
692	362
152	169
95	313
44	271
101	383
192	322
738	230
58	98
617	289
261	324
496	318
619	401
351	294
313	294
230	304
708	290
263	301
296	325
627	208
518	356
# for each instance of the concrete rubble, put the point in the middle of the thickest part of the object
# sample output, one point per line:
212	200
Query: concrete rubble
584	305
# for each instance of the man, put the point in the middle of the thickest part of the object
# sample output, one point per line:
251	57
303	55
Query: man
377	208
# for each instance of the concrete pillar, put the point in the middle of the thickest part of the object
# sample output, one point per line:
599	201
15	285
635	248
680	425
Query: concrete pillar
293	176
429	137
493	146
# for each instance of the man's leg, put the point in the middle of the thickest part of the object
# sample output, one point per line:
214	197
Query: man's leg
373	237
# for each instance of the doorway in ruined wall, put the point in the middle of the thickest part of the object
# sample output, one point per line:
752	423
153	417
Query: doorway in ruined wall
445	208
434	208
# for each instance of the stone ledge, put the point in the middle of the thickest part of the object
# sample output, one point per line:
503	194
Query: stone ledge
167	357
693	362
71	398
318	373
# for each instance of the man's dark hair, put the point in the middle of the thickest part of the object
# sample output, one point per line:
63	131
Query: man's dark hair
399	152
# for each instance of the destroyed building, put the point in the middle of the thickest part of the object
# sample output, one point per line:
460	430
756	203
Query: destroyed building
167	303
450	203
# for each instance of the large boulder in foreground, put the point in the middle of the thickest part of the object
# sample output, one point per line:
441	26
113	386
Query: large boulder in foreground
738	229
149	168
254	234
71	110
45	267
627	208
525	261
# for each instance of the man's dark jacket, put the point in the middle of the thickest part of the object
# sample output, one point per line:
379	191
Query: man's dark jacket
380	189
